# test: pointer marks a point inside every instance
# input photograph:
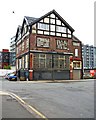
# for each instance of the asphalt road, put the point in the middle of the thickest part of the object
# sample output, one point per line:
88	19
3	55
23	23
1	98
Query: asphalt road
56	100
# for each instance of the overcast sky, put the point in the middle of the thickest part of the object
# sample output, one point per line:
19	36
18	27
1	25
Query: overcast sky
78	13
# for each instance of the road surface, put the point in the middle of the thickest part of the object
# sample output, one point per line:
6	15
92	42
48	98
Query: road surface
56	100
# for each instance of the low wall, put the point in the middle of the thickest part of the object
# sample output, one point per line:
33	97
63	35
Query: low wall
5	71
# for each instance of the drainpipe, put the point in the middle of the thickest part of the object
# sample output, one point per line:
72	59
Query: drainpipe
82	62
29	54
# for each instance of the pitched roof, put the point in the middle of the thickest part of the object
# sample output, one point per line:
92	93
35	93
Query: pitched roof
30	19
75	38
33	20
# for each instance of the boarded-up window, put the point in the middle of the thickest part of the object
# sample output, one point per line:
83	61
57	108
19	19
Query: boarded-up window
42	42
42	60
61	62
61	44
50	61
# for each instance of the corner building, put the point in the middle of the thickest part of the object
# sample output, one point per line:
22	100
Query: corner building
46	49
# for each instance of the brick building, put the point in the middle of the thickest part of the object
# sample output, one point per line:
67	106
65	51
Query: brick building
47	49
89	56
4	58
12	52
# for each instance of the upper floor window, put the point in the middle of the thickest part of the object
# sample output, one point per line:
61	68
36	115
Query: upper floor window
61	29
69	31
42	42
43	26
34	28
52	27
76	52
77	64
61	44
22	46
58	22
76	44
69	36
27	43
19	48
46	20
52	21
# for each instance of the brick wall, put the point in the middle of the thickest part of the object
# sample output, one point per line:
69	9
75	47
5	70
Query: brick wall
53	44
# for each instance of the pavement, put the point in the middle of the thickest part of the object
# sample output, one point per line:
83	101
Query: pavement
57	81
14	107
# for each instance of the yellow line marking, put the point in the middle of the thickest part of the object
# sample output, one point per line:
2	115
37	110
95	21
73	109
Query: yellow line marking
12	94
23	102
3	93
32	108
37	112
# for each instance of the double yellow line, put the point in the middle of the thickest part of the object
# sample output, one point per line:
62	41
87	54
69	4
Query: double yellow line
26	105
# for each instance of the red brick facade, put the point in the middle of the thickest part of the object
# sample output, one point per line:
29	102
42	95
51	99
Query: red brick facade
53	45
63	53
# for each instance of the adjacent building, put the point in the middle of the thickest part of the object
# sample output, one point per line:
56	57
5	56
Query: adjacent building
12	52
12	44
47	49
94	57
89	56
4	58
0	60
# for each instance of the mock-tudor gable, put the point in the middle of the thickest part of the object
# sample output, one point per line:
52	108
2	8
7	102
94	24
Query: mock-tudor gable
49	24
53	13
52	24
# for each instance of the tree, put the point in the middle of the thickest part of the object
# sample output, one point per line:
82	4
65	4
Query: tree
7	67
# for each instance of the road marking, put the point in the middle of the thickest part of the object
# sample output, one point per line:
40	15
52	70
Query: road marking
13	95
3	93
40	114
24	104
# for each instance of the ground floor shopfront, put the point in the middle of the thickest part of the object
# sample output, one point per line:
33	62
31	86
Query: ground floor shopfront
46	66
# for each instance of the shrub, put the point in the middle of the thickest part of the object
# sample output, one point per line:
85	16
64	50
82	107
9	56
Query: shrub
7	67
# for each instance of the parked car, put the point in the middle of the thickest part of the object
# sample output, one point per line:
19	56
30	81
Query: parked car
6	75
12	77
